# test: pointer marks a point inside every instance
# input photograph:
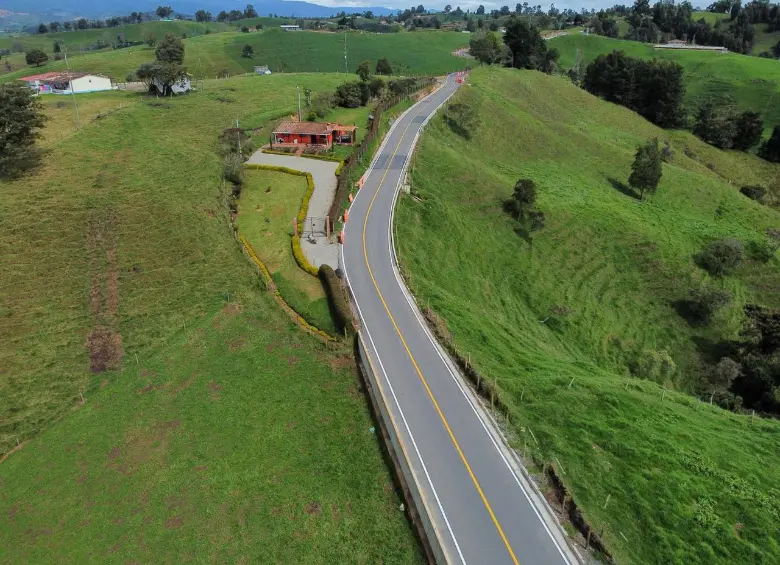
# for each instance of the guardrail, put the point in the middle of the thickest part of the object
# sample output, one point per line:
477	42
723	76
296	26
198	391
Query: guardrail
419	512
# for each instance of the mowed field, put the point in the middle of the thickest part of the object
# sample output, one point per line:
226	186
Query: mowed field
753	83
161	406
668	478
207	56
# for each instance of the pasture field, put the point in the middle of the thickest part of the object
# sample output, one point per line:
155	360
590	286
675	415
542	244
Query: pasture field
166	408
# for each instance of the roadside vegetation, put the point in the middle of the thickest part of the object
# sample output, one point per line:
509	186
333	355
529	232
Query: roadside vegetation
574	305
174	407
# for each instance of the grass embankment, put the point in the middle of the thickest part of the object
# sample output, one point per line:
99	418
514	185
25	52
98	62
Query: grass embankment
224	431
208	56
268	205
752	82
686	482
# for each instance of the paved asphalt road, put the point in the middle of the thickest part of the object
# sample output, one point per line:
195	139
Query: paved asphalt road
482	510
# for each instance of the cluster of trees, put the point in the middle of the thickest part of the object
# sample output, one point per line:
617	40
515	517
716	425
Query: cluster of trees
487	48
168	67
722	126
21	120
527	48
654	89
358	93
233	15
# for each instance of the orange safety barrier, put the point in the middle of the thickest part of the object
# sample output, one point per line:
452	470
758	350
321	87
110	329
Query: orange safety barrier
346	216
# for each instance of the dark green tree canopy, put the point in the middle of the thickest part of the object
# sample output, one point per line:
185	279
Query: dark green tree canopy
364	71
170	50
647	168
21	120
383	67
528	48
36	57
770	149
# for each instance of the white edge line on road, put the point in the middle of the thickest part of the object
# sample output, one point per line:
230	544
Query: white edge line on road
412	304
376	351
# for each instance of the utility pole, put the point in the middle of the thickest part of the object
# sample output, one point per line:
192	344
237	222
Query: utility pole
298	88
75	106
346	72
238	135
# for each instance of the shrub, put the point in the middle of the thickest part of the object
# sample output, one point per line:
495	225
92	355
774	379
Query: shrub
656	366
349	95
704	302
341	311
462	119
233	169
36	57
763	251
720	256
754	192
770	149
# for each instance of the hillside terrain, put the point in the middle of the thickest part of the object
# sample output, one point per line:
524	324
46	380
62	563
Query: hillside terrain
752	83
561	321
207	56
166	409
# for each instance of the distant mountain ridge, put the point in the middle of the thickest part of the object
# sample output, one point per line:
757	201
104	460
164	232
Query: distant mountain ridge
102	9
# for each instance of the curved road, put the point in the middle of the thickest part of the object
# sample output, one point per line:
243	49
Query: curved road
483	508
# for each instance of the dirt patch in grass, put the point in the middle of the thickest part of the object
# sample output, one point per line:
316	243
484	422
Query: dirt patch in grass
104	342
313	508
184	385
144	446
174	522
214	390
342	362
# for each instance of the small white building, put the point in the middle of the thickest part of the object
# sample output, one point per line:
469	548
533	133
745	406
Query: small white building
291	27
68	82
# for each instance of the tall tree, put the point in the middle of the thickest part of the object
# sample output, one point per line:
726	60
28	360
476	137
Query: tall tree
36	57
164	12
383	67
364	71
529	50
43	29
481	10
203	16
170	50
21	119
647	168
250	12
485	48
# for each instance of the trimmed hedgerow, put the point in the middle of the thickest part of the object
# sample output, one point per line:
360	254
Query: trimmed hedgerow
341	311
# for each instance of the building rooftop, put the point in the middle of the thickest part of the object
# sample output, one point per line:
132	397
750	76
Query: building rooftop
56	76
310	128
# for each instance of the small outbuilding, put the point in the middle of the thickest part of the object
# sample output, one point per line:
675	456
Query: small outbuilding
290	27
312	134
68	82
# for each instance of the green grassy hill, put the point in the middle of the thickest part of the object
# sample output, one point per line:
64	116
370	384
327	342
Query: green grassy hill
220	431
753	83
417	52
219	53
79	39
670	480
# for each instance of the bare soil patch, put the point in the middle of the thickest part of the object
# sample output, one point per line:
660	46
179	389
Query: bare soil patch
313	508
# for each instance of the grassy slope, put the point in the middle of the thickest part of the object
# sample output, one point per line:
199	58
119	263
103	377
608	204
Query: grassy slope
209	55
752	82
226	419
618	263
76	40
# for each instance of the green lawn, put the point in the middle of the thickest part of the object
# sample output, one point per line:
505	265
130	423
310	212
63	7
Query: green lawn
686	482
265	218
752	82
221	431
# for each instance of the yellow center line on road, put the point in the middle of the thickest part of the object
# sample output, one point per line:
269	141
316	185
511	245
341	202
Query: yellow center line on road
414	362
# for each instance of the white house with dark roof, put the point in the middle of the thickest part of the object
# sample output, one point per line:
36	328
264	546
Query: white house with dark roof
68	82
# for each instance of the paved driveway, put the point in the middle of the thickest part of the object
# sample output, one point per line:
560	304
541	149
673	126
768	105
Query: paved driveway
318	249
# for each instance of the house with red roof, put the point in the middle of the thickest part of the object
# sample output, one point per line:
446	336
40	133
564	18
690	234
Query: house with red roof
312	134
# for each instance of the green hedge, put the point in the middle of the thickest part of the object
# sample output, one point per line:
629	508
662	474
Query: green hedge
341	312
